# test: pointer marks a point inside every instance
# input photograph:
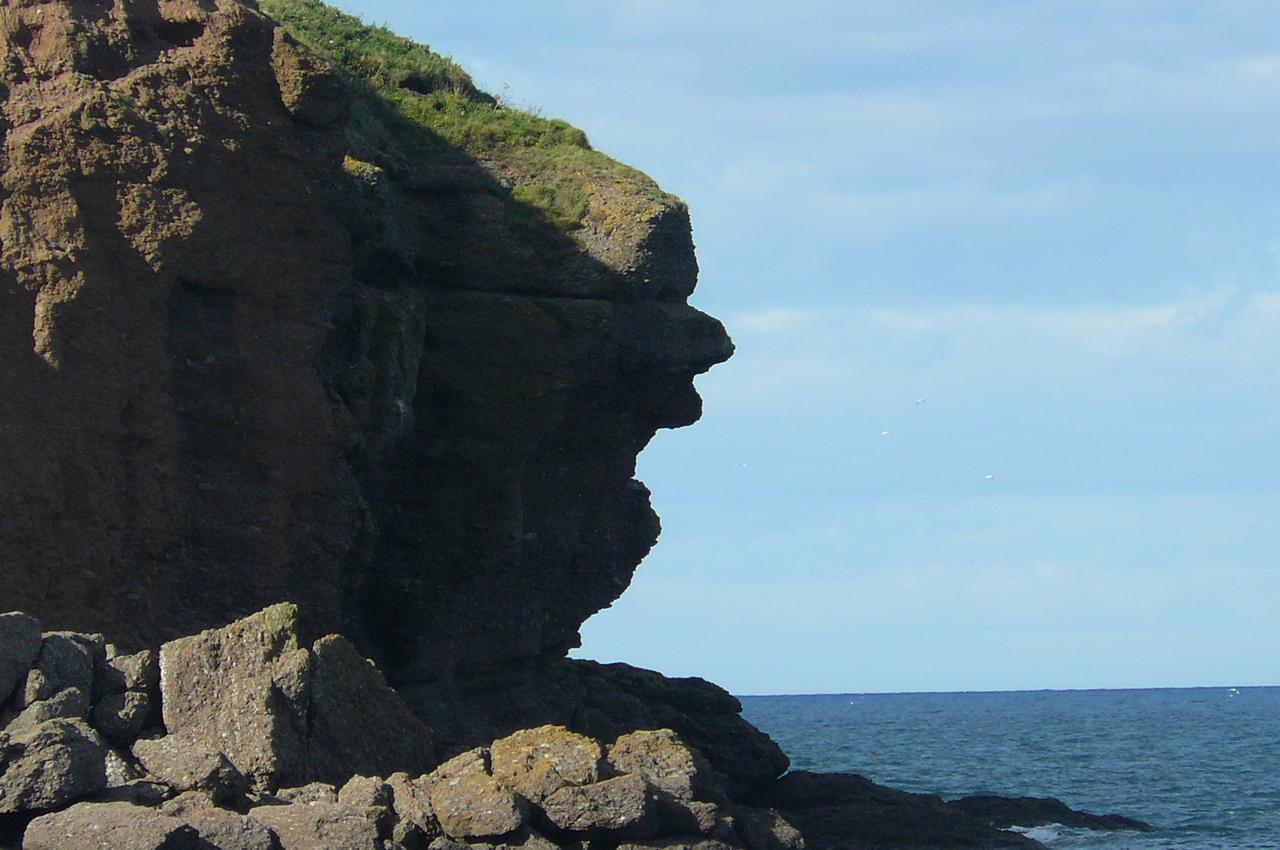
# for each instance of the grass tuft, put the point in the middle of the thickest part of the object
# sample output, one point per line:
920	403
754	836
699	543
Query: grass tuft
549	163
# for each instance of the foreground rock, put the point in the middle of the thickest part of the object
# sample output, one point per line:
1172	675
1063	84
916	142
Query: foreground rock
257	724
268	745
1004	812
50	765
842	811
285	715
839	811
110	826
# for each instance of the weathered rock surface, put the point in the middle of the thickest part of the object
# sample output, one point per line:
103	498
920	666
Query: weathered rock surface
121	717
69	704
187	764
118	674
357	723
415	824
55	763
110	826
665	762
475	805
228	830
287	715
766	829
241	690
622	806
20	642
331	826
604	701
536	763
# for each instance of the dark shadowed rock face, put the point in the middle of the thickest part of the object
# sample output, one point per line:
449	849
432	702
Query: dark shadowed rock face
239	367
838	811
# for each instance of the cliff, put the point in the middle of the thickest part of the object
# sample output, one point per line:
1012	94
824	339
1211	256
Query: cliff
290	312
352	335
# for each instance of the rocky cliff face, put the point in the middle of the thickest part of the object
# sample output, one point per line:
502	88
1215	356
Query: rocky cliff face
269	333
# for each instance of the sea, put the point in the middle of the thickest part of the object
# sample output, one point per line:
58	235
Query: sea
1202	764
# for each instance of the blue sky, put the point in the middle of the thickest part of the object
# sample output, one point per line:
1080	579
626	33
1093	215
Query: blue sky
1056	223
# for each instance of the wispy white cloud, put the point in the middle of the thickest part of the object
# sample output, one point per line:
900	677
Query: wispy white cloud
1214	339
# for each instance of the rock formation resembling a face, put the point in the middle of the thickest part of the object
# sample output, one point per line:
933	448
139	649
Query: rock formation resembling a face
239	365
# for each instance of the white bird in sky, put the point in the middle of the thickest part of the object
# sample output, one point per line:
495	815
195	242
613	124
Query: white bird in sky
885	433
991	478
920	400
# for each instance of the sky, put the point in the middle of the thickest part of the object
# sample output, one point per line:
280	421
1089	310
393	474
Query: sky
1004	279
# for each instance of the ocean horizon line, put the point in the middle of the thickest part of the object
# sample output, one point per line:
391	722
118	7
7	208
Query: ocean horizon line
993	691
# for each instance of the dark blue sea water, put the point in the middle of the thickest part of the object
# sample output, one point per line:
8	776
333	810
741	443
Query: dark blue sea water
1202	764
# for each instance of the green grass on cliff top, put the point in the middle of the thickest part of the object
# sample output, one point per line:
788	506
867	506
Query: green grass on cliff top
549	162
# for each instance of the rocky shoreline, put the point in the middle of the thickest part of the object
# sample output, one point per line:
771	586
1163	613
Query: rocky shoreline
242	738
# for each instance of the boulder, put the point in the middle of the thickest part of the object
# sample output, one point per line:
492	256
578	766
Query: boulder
836	811
685	843
416	822
686	817
1004	812
374	797
183	805
621	806
55	763
20	642
474	805
136	792
666	763
285	715
314	792
358	724
121	717
228	830
331	826
66	660
538	762
68	703
523	839
242	690
186	764
116	674
472	761
110	826
766	829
